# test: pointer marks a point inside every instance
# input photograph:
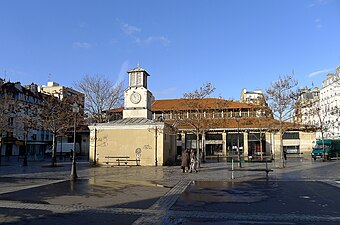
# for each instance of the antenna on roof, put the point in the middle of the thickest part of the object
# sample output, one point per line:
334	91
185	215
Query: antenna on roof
49	77
138	66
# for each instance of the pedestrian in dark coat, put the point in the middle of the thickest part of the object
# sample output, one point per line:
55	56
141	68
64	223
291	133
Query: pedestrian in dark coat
185	160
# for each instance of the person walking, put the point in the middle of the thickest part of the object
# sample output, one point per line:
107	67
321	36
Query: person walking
185	160
193	161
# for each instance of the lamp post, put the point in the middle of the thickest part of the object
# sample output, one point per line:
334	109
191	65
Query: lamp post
95	146
232	160
25	154
75	110
238	117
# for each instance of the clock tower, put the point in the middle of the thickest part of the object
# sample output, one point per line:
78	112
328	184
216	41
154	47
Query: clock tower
137	97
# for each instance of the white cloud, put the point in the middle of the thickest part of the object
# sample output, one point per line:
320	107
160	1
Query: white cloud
129	29
122	73
163	40
317	3
320	72
134	32
318	23
84	45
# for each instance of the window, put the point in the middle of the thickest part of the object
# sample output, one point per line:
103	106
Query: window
10	121
139	79
213	136
291	149
291	135
133	79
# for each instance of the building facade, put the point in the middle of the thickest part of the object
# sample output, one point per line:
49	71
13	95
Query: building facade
253	97
21	128
330	105
228	126
321	108
135	136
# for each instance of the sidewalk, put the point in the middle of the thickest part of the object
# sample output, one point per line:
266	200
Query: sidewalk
133	195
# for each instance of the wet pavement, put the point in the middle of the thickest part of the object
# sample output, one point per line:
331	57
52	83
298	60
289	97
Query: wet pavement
305	192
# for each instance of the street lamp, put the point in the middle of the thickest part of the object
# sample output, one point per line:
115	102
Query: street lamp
238	117
75	110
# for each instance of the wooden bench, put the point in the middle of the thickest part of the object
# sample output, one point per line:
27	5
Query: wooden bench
257	169
118	159
121	160
125	161
267	170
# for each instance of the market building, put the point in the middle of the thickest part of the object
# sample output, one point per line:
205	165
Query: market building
231	127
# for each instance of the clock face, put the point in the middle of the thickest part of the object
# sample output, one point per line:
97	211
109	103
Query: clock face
135	97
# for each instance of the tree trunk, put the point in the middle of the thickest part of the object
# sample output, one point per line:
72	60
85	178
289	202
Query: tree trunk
261	147
198	148
1	150
156	153
281	160
323	147
204	154
54	150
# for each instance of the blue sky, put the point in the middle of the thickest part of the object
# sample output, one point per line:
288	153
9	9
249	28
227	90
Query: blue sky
182	44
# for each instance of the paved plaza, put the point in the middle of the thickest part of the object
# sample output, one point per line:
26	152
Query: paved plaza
305	192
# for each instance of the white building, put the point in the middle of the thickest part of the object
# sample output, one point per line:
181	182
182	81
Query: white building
308	107
330	104
321	108
253	97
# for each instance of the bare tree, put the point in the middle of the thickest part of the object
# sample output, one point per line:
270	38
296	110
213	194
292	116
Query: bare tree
27	122
197	108
56	117
281	97
101	95
261	114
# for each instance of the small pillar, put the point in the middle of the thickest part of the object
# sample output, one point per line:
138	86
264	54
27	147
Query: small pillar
183	140
245	146
224	143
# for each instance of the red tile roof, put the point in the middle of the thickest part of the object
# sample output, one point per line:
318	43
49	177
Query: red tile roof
213	103
182	104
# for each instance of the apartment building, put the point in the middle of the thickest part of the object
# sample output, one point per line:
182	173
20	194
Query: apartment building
20	124
253	97
308	107
330	105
